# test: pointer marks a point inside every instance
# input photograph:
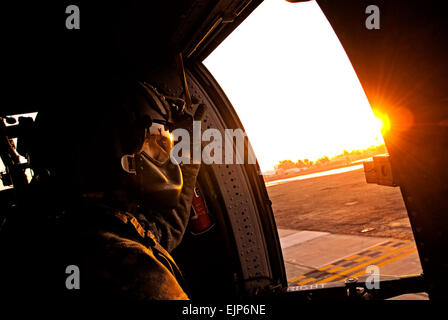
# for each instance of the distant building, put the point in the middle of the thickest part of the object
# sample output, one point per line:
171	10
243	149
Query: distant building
292	171
269	173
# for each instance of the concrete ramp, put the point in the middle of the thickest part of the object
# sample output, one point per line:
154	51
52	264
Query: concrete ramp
313	257
300	237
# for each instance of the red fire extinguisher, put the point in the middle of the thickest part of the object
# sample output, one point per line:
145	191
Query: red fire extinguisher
200	221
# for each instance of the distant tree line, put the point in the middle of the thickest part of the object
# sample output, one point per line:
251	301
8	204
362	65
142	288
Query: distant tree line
344	158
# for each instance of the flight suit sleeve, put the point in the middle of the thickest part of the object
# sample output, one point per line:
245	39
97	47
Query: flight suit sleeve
119	267
169	227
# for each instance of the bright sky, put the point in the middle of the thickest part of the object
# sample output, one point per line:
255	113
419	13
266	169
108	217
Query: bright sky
293	86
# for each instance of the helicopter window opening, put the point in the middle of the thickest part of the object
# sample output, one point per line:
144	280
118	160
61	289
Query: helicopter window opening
28	171
311	127
3	171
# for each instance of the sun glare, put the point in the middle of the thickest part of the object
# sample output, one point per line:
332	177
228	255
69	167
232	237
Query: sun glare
383	121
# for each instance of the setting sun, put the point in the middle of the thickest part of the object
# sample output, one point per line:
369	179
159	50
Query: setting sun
383	121
293	86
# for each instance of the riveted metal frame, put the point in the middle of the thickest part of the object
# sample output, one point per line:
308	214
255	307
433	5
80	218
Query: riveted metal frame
247	208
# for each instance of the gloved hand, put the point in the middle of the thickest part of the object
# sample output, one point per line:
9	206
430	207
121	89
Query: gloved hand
171	225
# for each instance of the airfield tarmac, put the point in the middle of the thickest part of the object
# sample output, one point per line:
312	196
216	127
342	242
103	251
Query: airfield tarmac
341	203
332	227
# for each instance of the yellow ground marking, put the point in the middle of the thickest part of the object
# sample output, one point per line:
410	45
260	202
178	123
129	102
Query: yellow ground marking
376	247
362	259
352	257
391	247
301	283
387	248
335	269
325	267
297	278
379	265
407	253
345	272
